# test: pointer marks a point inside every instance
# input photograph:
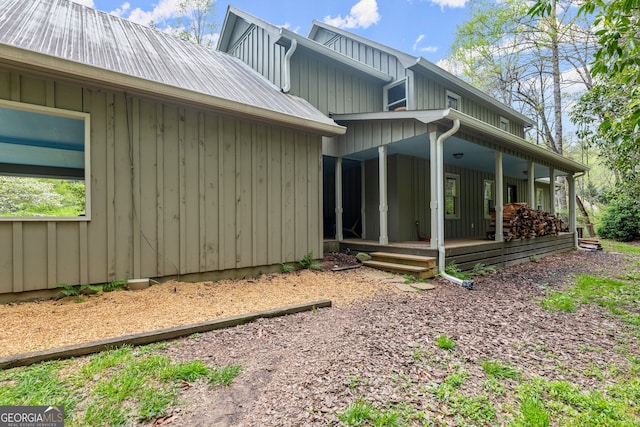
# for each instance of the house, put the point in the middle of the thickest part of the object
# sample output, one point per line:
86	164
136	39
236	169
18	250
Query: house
425	156
192	162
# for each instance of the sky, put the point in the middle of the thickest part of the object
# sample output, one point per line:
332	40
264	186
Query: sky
418	27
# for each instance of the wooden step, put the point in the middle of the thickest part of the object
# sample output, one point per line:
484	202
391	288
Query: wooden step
413	270
418	260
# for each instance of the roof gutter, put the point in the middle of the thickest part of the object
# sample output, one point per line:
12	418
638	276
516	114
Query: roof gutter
65	69
468	284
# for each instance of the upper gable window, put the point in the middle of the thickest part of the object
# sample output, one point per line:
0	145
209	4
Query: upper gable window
504	124
395	96
454	101
44	162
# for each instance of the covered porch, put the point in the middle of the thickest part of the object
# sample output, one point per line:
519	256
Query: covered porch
425	182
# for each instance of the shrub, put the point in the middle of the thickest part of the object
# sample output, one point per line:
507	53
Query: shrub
621	221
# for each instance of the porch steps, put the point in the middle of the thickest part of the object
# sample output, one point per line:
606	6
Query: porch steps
422	267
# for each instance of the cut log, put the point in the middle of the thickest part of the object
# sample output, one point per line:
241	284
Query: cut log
519	221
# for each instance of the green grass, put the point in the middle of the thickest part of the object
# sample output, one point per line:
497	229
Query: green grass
495	369
567	404
620	297
224	375
113	387
625	248
446	343
364	413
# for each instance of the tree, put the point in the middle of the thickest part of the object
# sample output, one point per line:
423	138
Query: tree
527	62
609	113
195	21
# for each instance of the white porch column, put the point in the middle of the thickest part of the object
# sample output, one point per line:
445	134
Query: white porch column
339	209
531	184
434	172
573	222
552	190
499	196
363	201
384	207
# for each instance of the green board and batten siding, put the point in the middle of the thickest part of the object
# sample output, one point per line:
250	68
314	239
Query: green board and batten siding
174	190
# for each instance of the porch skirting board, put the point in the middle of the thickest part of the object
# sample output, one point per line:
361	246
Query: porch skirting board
466	255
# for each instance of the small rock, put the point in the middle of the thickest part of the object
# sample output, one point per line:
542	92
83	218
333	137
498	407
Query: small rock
406	288
362	257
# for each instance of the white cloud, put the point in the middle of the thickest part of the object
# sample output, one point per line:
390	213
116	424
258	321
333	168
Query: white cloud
122	9
362	15
163	10
418	48
85	2
450	3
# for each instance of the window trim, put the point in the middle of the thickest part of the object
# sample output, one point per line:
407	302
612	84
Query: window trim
456	214
458	99
487	206
59	112
385	94
505	122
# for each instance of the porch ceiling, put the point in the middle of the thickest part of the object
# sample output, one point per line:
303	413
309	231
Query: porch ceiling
474	156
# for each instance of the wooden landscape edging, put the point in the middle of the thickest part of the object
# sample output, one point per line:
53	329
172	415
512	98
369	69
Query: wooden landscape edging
153	336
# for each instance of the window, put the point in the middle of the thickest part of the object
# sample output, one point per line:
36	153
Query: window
539	195
504	124
512	194
454	101
44	162
451	196
488	198
395	96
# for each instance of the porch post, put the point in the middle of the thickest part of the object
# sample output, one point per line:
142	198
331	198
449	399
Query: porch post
434	172
499	196
531	185
339	210
384	207
552	190
573	223
363	201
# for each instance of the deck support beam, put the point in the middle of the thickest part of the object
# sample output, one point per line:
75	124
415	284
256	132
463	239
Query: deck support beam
339	209
531	184
573	223
363	201
552	190
499	196
384	206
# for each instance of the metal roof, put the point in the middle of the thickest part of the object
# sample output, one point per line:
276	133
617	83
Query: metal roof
80	35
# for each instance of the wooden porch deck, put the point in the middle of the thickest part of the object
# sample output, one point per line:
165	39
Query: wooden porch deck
466	253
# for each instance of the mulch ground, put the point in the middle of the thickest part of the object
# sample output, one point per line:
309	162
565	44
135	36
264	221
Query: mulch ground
303	369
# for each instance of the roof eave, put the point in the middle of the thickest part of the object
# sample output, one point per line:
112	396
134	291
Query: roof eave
505	109
499	136
34	60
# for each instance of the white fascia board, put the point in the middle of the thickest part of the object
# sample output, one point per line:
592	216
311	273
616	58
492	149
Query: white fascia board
84	72
334	55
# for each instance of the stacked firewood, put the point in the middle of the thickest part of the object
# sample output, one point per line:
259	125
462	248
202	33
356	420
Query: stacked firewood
519	221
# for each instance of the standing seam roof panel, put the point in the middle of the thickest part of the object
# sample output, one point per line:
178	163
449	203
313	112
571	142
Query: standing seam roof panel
70	31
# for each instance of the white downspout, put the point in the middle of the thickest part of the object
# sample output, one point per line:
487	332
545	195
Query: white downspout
287	66
440	185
